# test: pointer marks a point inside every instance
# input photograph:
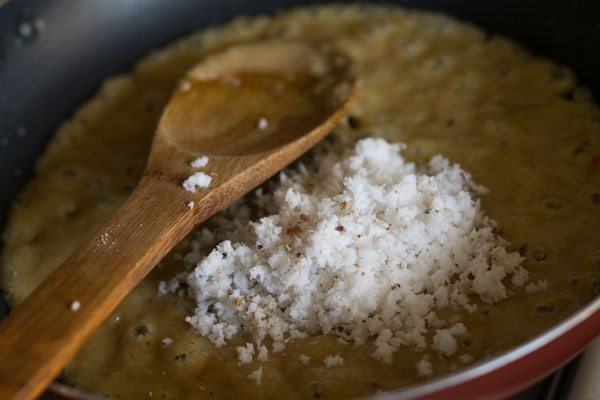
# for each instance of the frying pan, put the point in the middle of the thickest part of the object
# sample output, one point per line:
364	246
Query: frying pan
55	53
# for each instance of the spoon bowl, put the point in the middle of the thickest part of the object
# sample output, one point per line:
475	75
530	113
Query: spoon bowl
271	92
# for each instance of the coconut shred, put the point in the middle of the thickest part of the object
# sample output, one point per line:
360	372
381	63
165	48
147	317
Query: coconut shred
363	244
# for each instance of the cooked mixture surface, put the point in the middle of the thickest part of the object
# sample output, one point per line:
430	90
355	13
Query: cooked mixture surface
518	124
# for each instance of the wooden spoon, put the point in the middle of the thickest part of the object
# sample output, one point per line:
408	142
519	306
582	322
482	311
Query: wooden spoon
251	109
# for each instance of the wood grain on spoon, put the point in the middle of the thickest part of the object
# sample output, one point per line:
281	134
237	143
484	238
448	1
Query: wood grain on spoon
300	90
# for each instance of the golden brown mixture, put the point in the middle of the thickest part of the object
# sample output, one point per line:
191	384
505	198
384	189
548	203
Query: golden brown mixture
517	122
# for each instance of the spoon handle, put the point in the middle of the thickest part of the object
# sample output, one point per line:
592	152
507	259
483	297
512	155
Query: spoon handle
44	332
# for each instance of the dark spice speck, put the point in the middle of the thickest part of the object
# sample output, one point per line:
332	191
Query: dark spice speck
546	308
141	330
538	254
352	121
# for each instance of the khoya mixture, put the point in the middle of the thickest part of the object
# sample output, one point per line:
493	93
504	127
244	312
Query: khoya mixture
377	260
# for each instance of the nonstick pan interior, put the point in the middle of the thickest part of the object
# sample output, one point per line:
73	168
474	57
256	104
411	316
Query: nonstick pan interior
55	53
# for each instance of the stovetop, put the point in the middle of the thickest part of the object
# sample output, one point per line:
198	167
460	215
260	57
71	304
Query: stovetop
578	380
